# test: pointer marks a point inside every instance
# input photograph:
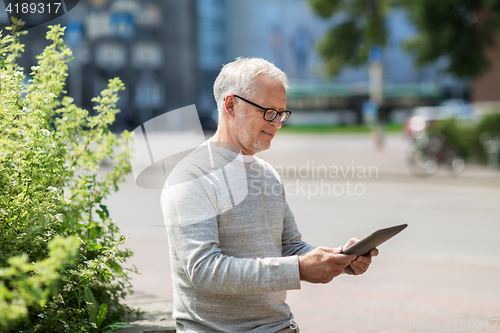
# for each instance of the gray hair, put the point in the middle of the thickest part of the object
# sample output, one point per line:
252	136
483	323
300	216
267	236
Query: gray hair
238	76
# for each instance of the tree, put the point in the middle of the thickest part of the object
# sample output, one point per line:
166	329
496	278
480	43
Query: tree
459	30
361	28
349	43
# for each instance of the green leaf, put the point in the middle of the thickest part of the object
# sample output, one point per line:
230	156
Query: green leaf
117	325
101	214
92	307
105	209
94	246
103	309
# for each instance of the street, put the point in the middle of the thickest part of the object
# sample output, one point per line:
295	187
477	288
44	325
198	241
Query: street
445	266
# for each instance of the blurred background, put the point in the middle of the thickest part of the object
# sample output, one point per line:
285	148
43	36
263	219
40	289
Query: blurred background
169	52
411	90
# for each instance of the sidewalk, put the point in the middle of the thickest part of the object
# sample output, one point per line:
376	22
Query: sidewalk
404	296
414	291
357	151
407	295
314	151
157	317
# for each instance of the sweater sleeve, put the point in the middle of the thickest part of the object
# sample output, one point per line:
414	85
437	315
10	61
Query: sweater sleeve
291	239
190	209
292	242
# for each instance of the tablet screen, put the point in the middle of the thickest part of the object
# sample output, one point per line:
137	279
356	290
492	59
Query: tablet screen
375	239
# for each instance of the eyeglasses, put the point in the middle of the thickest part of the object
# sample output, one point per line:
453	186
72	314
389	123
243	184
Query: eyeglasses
269	114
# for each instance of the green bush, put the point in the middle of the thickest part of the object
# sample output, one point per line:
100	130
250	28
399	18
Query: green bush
466	139
489	125
50	151
457	135
24	284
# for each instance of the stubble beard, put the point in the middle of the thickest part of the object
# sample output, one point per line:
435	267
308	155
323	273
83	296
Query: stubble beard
245	138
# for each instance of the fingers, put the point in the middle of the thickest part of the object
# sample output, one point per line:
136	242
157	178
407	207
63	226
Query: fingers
351	242
321	265
328	249
339	258
337	263
355	270
338	250
364	259
360	266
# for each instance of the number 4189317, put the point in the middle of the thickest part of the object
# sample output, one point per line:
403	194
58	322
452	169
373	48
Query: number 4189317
32	8
471	324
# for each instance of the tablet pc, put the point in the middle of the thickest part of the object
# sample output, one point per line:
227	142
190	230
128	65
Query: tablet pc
375	239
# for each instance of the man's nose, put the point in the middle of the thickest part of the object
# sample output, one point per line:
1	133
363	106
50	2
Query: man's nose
277	121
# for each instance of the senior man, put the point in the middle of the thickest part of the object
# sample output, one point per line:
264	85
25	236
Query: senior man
235	248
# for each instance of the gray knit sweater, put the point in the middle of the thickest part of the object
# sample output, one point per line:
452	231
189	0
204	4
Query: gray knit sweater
233	243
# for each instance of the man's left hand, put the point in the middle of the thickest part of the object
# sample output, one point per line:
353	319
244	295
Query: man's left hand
360	264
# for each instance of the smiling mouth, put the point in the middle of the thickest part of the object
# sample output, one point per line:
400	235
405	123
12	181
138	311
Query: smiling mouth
269	134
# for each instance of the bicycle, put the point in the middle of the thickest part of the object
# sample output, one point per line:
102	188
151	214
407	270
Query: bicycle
430	153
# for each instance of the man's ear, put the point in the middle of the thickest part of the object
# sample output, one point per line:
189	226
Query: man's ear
229	102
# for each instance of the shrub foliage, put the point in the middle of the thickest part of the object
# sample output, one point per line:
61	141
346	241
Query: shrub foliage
60	254
469	139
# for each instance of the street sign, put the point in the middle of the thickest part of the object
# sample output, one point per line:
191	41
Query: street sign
122	25
74	33
376	54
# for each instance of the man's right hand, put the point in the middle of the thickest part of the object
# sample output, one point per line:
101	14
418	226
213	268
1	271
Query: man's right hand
322	264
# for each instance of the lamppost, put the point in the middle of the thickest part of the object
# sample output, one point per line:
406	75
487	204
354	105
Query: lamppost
376	93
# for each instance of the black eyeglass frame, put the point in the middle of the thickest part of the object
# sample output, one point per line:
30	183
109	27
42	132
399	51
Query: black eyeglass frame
275	112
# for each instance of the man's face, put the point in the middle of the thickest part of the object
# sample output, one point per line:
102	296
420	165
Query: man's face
249	129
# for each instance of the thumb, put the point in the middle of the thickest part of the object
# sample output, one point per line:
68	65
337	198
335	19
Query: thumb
329	250
351	242
338	250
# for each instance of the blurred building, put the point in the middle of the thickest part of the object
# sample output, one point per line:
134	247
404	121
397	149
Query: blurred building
169	52
485	88
211	29
149	44
289	42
